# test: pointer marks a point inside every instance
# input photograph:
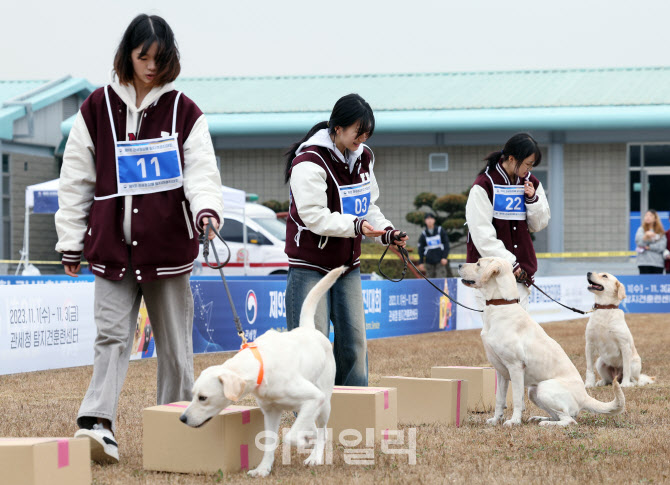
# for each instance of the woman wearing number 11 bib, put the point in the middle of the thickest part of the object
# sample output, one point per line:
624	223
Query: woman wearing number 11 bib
333	195
507	203
139	181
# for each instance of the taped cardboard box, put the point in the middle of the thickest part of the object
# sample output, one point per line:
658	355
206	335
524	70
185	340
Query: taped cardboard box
427	401
482	385
226	442
363	408
45	461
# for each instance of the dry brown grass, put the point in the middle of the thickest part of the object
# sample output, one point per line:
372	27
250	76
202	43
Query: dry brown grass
630	448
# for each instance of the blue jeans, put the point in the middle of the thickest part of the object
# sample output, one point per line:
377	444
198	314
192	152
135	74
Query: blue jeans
344	304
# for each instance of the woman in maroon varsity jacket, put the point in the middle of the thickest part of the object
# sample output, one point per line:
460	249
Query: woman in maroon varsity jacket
507	203
333	195
139	181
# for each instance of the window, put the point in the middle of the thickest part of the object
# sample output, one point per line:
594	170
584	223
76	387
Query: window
438	162
232	231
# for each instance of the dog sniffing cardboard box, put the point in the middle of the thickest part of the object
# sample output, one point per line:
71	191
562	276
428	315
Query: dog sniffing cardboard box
226	442
482	385
361	408
45	461
425	400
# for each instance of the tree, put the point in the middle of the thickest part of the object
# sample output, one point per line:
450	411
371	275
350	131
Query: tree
449	213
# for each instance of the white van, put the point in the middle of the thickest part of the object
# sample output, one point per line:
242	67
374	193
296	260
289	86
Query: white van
265	244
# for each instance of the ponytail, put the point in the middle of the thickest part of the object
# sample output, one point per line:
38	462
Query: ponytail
290	154
492	160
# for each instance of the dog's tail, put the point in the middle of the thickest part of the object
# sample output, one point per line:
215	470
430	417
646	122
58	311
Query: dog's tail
645	379
611	408
315	294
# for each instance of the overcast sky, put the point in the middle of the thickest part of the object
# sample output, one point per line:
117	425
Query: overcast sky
47	39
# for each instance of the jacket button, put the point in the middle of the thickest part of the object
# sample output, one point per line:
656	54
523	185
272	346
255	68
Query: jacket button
515	246
134	243
136	211
121	275
139	278
123	269
137	271
514	228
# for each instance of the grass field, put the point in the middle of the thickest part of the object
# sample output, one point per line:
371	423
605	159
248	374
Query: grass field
631	448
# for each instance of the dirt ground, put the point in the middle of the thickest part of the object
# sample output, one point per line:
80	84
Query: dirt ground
631	448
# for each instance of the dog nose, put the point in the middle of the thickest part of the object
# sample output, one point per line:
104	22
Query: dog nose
460	266
183	418
589	274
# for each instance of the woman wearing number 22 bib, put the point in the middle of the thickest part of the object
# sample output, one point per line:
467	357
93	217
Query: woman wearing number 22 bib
507	203
139	181
333	195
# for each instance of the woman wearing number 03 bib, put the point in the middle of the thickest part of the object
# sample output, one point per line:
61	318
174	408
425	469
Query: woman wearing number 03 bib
507	203
333	195
139	181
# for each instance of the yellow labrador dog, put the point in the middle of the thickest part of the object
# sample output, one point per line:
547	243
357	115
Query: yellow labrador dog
524	354
298	374
608	337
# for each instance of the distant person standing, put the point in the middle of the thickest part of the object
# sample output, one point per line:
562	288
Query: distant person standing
666	253
651	242
434	249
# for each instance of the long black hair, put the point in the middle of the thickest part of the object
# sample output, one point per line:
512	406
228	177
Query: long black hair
520	146
143	31
348	110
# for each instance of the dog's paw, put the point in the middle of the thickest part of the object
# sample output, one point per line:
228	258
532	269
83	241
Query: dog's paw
627	384
261	471
314	459
494	420
590	383
536	419
601	383
512	422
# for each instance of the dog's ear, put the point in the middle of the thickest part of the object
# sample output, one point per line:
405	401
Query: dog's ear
620	291
233	385
494	268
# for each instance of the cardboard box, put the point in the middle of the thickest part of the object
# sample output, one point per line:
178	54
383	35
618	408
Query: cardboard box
482	385
226	442
424	400
362	408
45	461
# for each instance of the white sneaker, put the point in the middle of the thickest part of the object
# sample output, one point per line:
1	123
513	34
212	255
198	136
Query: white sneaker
104	449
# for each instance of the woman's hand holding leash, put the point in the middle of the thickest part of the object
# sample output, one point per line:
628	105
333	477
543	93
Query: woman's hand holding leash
205	221
72	269
400	238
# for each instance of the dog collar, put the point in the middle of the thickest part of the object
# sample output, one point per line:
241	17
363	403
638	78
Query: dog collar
501	301
254	349
598	306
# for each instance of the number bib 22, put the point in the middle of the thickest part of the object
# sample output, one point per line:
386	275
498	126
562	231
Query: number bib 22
509	202
355	199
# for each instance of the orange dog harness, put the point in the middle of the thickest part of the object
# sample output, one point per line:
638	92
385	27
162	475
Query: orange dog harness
254	349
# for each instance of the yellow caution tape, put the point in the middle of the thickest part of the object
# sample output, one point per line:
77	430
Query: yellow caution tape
593	254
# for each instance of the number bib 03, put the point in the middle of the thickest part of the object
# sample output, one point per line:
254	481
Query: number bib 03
146	166
355	199
509	202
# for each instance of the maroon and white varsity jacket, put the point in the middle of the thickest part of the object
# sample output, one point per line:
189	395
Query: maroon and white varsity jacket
319	235
155	232
509	239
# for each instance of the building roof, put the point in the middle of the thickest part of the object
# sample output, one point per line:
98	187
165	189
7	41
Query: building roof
568	99
18	96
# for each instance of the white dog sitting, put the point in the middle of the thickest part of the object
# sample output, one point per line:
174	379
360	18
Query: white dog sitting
524	354
608	336
297	373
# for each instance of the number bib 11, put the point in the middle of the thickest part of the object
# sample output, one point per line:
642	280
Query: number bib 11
356	199
146	166
509	202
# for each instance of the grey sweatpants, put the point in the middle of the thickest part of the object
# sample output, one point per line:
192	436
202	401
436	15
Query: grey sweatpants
169	304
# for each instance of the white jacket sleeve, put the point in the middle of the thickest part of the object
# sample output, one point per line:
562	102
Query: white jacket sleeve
202	180
76	188
479	216
538	213
308	186
375	216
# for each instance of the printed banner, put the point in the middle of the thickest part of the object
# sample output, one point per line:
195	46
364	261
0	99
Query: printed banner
43	327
